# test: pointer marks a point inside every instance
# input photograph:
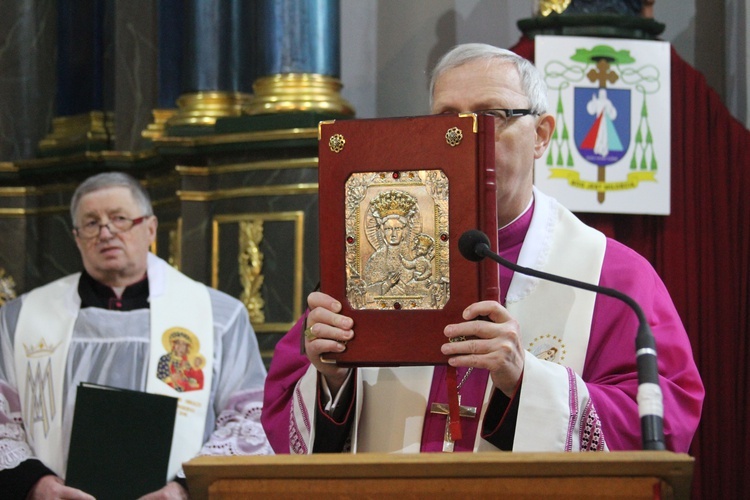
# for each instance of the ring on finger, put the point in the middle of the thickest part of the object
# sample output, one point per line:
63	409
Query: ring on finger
309	335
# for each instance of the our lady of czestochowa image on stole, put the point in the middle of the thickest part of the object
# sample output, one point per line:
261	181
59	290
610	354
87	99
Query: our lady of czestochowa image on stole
397	240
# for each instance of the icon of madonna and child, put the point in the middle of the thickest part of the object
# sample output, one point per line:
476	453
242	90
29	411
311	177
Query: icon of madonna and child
399	259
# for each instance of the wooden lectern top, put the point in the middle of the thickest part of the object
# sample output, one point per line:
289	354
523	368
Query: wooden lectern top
622	474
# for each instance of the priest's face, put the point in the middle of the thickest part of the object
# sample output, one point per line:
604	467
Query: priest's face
495	84
114	256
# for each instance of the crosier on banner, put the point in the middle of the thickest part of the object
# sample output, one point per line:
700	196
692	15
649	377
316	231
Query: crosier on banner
611	101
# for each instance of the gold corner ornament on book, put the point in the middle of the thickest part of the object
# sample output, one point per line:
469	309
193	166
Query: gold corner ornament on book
393	205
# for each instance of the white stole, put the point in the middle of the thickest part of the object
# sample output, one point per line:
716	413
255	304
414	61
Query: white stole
42	338
45	328
181	306
559	333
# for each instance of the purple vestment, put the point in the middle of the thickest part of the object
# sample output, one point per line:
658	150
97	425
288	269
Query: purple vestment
609	371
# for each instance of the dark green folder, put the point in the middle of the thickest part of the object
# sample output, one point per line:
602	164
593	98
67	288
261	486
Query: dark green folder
120	442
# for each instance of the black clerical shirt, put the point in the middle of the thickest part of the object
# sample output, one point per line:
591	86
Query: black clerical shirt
95	294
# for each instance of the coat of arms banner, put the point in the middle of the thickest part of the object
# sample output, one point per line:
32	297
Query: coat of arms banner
611	100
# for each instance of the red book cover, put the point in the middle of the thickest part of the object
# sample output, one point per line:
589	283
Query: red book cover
395	195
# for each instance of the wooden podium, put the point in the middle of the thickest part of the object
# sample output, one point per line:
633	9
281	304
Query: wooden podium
636	474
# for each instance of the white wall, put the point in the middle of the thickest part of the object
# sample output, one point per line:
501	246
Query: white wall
388	46
358	53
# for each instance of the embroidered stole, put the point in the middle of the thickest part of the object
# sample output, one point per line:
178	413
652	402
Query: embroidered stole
180	364
182	313
42	338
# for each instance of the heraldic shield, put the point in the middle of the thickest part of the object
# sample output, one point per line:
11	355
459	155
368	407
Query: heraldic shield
601	125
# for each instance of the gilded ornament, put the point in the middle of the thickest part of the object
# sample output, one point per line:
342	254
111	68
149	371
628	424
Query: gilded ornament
547	7
7	287
250	269
336	143
454	136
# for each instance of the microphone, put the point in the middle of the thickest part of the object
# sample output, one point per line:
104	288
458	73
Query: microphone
474	245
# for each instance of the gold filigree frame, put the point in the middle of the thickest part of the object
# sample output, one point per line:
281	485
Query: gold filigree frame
397	253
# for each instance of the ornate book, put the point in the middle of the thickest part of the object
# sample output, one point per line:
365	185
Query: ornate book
395	195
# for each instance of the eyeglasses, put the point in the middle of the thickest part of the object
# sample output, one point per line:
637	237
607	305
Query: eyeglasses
506	114
116	225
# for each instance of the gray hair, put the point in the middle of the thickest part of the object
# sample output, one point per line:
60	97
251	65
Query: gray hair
531	79
109	180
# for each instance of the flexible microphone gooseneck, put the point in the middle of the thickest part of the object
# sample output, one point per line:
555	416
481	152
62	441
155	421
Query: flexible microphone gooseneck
474	245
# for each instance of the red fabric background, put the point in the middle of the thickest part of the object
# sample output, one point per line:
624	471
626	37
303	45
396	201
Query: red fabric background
702	251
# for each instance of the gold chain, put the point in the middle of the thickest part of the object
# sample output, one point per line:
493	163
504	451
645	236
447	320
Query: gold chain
466	375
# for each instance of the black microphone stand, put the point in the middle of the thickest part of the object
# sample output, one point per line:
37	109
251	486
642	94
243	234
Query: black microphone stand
650	404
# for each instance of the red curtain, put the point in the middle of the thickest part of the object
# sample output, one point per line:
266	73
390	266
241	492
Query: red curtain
702	252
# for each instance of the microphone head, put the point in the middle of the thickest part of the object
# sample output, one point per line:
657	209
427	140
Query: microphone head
468	242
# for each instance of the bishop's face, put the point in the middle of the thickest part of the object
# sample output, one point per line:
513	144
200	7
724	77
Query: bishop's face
491	84
114	258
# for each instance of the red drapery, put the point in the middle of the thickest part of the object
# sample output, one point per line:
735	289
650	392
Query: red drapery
702	251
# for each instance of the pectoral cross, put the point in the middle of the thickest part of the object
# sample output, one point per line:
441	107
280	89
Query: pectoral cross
442	409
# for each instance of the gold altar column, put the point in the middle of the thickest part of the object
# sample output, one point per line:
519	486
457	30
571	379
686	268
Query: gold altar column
216	64
298	55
